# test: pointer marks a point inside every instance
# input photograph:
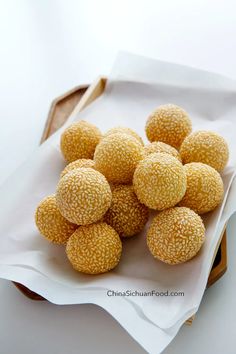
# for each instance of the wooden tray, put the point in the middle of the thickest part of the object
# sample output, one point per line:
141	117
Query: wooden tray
61	110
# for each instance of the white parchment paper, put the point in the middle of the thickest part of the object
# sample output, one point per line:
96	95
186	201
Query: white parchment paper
136	86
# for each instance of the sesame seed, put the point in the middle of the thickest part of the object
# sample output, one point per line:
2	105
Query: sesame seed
83	196
50	223
117	156
94	249
126	214
77	164
79	141
124	130
205	188
169	124
175	235
159	181
206	147
158	146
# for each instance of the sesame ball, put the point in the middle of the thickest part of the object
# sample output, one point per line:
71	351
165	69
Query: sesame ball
176	235
159	181
124	130
205	188
79	141
126	214
50	223
158	146
83	196
77	164
206	147
94	249
169	124
117	156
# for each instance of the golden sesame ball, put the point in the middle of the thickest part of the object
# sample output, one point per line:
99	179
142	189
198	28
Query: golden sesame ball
50	223
169	124
176	235
79	141
159	181
158	146
94	249
206	147
126	214
205	188
124	130
77	164
83	196
117	156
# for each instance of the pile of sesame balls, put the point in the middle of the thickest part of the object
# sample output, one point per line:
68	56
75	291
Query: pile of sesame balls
111	182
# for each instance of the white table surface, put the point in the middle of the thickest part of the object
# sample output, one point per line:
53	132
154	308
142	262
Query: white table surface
47	47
